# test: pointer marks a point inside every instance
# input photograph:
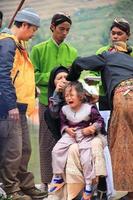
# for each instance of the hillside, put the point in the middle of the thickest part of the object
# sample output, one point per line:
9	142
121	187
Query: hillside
91	19
87	16
46	8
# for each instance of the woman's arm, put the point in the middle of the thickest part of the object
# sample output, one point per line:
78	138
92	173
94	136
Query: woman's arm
96	121
94	63
55	104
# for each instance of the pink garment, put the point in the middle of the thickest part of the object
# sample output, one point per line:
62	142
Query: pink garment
60	154
85	116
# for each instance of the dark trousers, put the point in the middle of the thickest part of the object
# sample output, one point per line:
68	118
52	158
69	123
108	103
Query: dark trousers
16	151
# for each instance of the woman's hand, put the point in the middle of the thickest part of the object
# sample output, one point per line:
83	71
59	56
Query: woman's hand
90	130
71	132
60	86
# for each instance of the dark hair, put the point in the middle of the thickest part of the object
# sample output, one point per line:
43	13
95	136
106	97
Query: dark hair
59	18
19	24
121	24
79	89
1	15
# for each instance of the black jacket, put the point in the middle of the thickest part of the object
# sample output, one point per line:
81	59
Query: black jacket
115	67
52	118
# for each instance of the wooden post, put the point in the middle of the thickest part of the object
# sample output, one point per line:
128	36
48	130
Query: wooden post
18	8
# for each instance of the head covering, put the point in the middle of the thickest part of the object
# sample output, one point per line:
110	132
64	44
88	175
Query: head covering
28	15
59	18
121	24
54	72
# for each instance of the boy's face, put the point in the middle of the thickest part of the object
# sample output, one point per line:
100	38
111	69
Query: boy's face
27	31
117	34
60	31
72	98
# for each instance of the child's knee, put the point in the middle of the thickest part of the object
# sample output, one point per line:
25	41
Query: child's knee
97	143
73	149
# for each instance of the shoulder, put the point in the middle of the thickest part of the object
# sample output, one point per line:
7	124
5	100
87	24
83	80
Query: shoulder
87	106
102	49
65	109
40	45
8	44
70	47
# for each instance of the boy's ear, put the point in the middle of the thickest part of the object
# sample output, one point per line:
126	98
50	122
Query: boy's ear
52	27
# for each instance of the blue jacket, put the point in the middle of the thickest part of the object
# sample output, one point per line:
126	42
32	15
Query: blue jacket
17	81
7	90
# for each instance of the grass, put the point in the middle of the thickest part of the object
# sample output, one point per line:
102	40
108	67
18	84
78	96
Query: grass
34	161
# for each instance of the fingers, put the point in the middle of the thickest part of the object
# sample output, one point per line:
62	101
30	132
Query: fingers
14	114
71	132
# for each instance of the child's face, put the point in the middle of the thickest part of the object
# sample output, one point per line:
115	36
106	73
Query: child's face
60	77
72	98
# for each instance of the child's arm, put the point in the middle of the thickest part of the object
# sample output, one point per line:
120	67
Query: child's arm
90	130
97	122
65	125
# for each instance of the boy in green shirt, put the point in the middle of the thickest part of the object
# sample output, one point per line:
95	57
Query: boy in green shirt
46	56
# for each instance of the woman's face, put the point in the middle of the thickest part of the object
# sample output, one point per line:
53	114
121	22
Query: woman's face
60	77
117	34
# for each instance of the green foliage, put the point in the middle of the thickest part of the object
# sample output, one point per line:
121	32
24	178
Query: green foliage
3	198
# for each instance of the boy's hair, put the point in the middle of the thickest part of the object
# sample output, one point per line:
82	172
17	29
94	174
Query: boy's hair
122	24
1	15
59	18
79	89
19	24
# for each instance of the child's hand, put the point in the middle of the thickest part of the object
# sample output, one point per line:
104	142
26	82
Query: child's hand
90	130
70	131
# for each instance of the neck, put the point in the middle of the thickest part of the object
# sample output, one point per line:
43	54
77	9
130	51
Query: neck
14	31
77	108
57	41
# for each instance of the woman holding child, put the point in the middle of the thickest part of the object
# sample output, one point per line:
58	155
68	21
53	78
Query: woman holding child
73	178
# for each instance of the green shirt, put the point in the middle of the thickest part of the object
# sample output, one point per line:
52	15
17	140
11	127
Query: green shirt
46	56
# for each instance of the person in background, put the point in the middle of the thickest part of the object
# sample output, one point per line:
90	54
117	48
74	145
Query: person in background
45	57
2	192
117	78
119	31
17	99
1	18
